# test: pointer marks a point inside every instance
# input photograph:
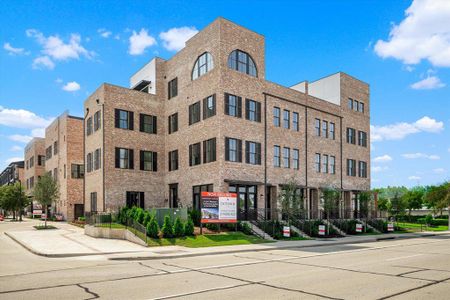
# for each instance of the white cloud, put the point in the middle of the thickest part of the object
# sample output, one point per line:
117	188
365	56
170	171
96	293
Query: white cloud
43	62
175	38
72	86
20	138
16	148
21	118
439	170
38	132
383	158
58	80
140	41
14	51
104	33
414	178
399	131
378	169
429	83
420	155
13	159
54	48
424	34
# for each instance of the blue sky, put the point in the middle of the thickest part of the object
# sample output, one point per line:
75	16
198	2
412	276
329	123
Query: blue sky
55	53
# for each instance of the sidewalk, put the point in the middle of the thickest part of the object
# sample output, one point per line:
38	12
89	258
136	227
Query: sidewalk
70	241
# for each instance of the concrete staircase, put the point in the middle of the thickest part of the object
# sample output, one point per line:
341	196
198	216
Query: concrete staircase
334	227
299	232
368	225
259	232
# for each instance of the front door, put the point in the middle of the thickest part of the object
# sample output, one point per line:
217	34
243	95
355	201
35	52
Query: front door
173	195
247	200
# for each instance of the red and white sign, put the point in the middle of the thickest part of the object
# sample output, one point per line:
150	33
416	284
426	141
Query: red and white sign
219	207
321	229
286	231
359	228
390	227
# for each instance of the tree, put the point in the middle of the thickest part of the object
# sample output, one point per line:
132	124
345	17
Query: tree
413	200
397	205
436	197
46	192
167	228
18	198
290	199
331	198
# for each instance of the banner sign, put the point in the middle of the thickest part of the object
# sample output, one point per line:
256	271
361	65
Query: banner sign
286	231
390	227
217	207
359	228
321	229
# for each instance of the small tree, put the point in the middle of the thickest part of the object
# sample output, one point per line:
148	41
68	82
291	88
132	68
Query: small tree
290	199
397	206
147	217
18	198
413	200
364	205
153	228
178	228
167	228
140	214
46	192
189	227
331	198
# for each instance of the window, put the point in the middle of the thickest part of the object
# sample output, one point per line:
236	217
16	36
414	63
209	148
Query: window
317	127
362	171
317	162
195	154
41	160
172	88
124	158
147	123
209	106
135	199
77	171
148	161
55	174
194	113
32	162
276	156
209	150
196	194
350	103
362	138
325	129
89	163
97	159
295	121
203	65
233	150
361	107
351	139
355	105
276	116
93	201
48	153
242	62
173	160
89	126
325	163
233	105
124	119
332	165
286	118
173	123
252	110
252	153
332	131
351	167
55	147
97	120
295	159
32	181
286	157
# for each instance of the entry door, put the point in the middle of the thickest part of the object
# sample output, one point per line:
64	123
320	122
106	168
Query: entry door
173	195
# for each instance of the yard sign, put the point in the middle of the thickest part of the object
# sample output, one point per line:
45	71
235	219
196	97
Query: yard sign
321	229
219	207
359	227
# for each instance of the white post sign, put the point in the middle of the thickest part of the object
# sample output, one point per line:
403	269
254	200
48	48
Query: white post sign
321	229
286	231
390	227
359	228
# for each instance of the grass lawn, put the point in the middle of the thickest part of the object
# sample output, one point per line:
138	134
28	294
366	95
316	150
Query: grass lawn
293	238
43	227
113	225
414	227
208	240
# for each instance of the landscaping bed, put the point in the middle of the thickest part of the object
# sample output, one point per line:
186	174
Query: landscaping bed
43	227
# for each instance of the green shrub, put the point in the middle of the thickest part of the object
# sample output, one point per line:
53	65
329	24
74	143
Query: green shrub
131	212
178	228
147	217
428	219
140	214
123	214
167	228
82	219
244	228
195	216
212	226
189	227
153	228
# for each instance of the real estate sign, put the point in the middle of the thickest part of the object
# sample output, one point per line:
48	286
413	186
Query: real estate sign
359	228
321	229
217	207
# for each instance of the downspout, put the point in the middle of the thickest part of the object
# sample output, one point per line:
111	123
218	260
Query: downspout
84	159
265	153
103	155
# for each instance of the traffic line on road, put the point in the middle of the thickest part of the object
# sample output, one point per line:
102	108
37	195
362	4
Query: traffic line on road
403	257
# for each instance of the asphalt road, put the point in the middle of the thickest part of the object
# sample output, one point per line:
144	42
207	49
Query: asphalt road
398	269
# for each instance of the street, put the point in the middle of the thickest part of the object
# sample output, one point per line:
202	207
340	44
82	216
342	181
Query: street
399	269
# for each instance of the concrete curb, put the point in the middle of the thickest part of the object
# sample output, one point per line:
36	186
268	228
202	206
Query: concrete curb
328	243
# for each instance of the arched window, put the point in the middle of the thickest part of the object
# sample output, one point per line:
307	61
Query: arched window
203	65
242	62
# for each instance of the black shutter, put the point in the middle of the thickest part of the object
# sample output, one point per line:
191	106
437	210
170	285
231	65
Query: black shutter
227	149
141	122
247	109
213	146
155	124
205	107
239	150
117	158
214	105
142	198
258	111
155	161
141	159
247	153
131	158
190	155
130	120
204	152
227	103
169	162
258	153
116	118
239	107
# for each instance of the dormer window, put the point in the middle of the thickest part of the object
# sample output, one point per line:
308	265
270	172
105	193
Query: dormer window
242	62
203	65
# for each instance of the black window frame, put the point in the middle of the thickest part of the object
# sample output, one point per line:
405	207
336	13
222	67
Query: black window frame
252	110
252	158
234	110
286	157
172	88
362	138
128	159
97	159
234	63
123	123
93	199
97	120
197	192
325	160
208	65
332	164
89	126
362	169
194	113
296	159
233	155
209	150
277	156
325	129
89	162
207	111
332	134
276	116
318	162
286	119
173	160
173	123
144	162
195	154
148	124
77	171
295	121
351	138
317	126
351	167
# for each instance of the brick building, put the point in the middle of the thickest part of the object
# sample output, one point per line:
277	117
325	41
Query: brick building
207	120
13	173
34	163
64	161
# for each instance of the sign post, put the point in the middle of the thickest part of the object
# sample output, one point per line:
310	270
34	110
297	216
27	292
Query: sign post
390	227
217	207
321	229
359	227
286	231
